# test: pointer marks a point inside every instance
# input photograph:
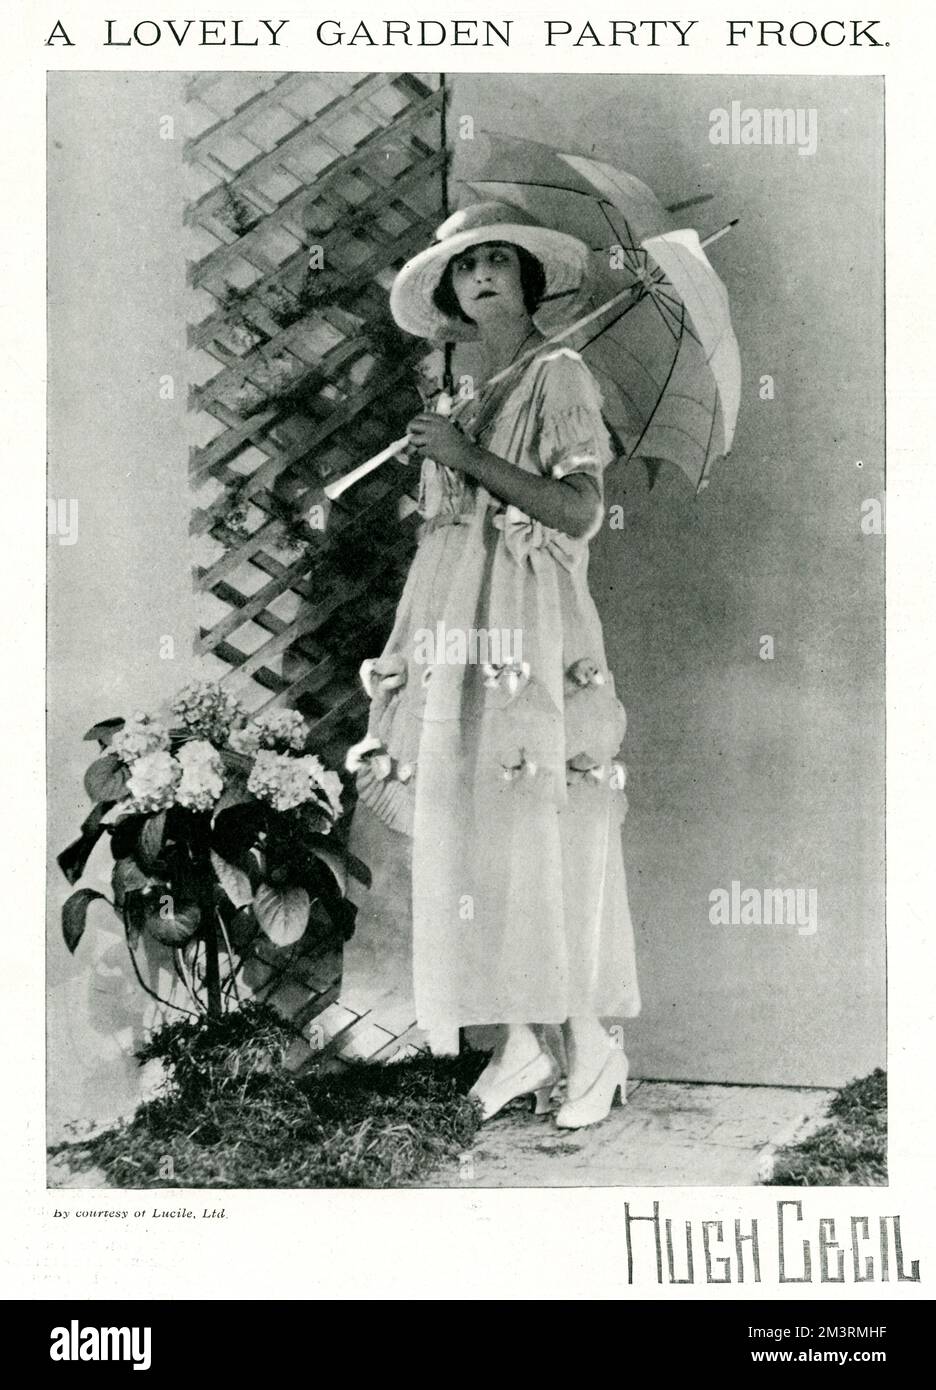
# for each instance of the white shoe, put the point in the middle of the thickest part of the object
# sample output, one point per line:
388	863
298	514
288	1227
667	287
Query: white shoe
536	1077
595	1103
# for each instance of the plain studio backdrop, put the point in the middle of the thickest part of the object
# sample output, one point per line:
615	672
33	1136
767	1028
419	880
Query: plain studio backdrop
763	773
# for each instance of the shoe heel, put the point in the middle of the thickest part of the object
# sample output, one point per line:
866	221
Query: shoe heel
541	1100
621	1091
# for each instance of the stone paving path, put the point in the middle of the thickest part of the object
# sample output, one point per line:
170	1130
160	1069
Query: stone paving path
668	1135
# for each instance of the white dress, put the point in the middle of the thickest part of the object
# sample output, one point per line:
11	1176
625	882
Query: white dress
504	771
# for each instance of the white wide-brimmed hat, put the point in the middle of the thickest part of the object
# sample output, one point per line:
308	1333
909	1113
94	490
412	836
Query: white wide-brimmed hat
564	260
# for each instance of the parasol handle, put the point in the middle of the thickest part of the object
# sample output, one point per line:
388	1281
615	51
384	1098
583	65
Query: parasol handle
444	406
334	490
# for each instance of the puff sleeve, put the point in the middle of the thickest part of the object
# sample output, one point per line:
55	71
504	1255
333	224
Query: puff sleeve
572	436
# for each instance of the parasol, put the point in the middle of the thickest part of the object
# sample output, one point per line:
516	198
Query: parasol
651	320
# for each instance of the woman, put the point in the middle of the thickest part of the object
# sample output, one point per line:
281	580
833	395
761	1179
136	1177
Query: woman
494	724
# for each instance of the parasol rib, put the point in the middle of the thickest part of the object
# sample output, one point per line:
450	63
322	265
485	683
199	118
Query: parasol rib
656	407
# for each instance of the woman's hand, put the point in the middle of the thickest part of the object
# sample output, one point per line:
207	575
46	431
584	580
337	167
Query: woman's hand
439	439
571	504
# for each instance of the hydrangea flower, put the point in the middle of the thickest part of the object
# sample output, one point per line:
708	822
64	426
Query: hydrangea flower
245	740
138	736
283	726
153	780
202	775
207	710
272	779
281	730
287	782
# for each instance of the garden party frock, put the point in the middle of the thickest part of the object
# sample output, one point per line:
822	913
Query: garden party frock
494	731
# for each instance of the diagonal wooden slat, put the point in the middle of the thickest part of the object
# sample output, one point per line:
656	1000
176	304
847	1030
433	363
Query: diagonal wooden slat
260	102
342	415
429	167
292	576
212	203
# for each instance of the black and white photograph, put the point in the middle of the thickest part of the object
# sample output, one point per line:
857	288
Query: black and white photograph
465	639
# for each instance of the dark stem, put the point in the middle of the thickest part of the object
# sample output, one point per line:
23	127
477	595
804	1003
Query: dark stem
232	968
167	1003
204	878
212	963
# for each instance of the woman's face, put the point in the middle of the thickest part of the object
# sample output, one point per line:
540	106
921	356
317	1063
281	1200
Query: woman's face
487	284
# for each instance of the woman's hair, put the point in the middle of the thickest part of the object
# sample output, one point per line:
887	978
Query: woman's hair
532	284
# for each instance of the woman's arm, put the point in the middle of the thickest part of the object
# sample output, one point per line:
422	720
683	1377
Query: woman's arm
571	504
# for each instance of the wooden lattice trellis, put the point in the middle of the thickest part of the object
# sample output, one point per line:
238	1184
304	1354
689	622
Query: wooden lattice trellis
304	372
299	373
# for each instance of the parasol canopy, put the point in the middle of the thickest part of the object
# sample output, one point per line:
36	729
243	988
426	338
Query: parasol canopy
653	319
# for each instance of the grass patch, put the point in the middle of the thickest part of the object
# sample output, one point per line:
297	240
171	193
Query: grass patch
231	1116
849	1151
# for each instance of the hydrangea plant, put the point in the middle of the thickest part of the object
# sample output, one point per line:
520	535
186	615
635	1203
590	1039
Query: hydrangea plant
221	826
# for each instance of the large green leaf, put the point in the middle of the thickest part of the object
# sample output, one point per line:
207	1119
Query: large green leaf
358	869
156	911
235	793
72	861
328	893
125	835
151	838
314	818
233	880
104	731
126	878
235	830
135	912
169	921
334	846
106	779
177	928
283	913
342	913
242	928
256	864
337	865
75	915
